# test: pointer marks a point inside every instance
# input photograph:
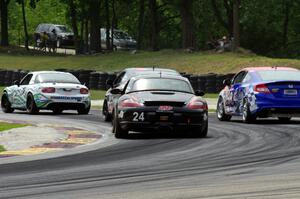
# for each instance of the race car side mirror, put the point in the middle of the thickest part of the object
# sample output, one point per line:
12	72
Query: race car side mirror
17	82
227	82
116	91
199	93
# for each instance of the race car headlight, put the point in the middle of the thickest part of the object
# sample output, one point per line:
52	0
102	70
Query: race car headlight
130	103
84	91
48	90
197	104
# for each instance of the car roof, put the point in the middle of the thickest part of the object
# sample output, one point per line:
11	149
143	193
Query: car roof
150	69
43	72
268	68
162	75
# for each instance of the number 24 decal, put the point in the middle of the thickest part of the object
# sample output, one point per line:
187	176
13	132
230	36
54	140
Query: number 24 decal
138	116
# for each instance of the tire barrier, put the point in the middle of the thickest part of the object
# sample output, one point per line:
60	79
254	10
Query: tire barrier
102	80
209	83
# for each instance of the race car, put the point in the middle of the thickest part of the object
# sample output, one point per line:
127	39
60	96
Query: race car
50	90
120	82
261	92
159	102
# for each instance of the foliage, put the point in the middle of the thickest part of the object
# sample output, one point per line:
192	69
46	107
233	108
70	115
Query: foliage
262	22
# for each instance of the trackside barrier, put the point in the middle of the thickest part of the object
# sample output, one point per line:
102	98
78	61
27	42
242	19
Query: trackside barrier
210	83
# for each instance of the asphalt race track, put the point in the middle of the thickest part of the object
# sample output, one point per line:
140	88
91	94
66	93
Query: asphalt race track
236	161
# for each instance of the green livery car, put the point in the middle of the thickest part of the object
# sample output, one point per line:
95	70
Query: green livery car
47	90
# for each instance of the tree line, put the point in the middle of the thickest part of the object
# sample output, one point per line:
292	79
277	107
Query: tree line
269	27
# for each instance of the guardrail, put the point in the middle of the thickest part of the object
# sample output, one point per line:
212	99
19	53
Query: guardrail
210	83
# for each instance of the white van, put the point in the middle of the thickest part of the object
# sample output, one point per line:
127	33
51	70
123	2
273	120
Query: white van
122	40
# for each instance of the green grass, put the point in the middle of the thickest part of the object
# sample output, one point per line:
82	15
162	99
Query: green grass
197	63
6	126
2	148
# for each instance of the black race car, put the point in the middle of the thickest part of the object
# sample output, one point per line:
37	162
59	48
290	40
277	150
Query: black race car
155	102
120	81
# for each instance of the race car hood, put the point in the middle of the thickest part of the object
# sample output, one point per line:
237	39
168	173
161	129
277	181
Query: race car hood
162	96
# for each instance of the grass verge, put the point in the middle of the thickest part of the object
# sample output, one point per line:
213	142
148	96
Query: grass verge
196	63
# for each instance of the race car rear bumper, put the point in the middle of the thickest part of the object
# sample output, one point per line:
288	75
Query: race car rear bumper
65	106
191	120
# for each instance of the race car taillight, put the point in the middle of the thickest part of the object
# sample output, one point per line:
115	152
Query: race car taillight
48	90
84	91
261	88
130	103
197	104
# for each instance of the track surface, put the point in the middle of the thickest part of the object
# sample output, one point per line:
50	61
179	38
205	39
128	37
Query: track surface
236	161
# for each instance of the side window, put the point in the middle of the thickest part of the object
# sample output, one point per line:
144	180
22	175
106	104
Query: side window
118	79
247	78
26	79
239	77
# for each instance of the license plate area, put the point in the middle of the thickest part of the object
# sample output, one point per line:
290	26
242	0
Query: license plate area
290	92
164	118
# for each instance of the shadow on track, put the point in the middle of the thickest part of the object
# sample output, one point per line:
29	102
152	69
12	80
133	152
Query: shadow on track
267	122
162	135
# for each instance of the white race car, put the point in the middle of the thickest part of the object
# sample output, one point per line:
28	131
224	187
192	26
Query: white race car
49	90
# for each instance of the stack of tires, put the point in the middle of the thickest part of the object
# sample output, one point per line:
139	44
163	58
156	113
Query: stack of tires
102	81
219	82
2	77
194	81
210	84
84	77
8	78
201	80
94	80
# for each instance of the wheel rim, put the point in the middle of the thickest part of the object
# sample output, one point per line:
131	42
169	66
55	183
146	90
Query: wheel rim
220	109
245	111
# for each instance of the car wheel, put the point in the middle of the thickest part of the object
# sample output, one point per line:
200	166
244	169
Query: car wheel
30	105
117	130
84	111
222	116
248	117
204	130
57	111
107	116
284	119
5	104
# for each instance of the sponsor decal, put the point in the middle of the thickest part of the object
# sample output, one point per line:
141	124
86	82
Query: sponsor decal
165	108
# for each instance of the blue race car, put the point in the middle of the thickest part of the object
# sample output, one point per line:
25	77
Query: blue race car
261	92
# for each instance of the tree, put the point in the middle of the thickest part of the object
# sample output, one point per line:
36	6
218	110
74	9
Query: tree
4	22
154	25
95	34
236	24
187	24
140	23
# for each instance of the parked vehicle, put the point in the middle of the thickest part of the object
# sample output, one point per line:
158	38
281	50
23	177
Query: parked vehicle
155	101
63	36
120	81
261	92
121	40
49	90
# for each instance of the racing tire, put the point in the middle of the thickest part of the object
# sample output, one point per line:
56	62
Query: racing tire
117	130
31	106
5	104
204	130
107	116
248	117
84	111
221	115
57	111
284	119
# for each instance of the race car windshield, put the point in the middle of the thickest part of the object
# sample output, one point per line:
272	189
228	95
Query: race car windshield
161	84
57	78
279	75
